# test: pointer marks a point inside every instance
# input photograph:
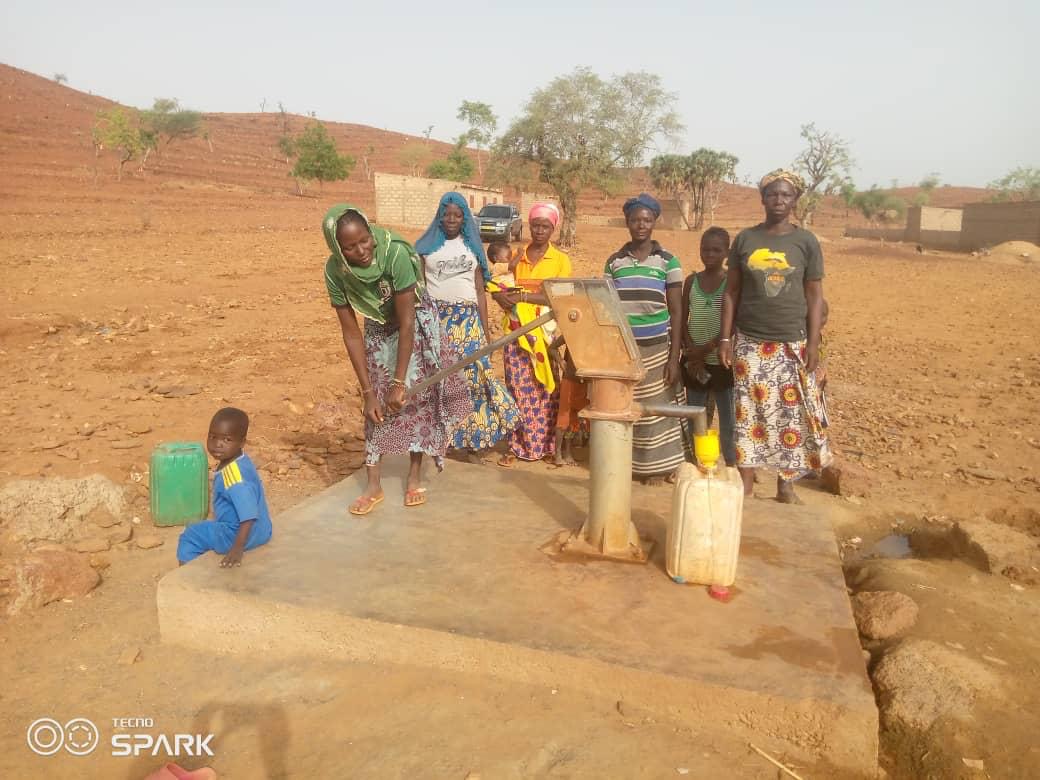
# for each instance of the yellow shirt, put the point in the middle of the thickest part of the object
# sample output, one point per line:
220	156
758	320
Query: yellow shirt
554	264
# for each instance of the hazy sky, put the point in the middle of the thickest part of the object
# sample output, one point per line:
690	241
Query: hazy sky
915	86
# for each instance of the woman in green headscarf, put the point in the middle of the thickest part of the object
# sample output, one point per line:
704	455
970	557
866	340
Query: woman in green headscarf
374	272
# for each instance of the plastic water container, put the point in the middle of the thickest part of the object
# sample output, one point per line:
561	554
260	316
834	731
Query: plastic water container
179	483
704	533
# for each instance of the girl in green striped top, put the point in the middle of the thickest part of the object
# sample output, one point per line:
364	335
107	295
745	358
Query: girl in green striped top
702	371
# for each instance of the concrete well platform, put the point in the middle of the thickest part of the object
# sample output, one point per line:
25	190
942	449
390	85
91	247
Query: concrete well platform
460	583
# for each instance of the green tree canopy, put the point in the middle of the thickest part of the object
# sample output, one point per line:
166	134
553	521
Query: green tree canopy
580	129
695	181
879	206
482	126
115	129
456	166
825	162
1019	184
169	122
317	157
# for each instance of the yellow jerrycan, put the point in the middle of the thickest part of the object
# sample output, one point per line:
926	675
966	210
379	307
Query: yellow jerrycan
704	532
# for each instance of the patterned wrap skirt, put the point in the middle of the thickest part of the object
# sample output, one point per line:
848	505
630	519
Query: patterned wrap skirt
535	437
779	414
494	410
428	421
659	444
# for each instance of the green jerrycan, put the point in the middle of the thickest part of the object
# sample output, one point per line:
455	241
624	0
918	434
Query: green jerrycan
179	482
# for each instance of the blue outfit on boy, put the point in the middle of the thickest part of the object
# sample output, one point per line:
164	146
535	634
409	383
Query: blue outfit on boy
237	495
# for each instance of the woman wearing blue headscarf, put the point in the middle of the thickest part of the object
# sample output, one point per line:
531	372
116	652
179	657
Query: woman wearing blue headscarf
456	270
649	280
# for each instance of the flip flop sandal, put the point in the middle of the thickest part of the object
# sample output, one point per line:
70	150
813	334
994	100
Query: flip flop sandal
507	461
410	497
363	506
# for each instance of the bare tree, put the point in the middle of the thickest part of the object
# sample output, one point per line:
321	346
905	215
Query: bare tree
825	162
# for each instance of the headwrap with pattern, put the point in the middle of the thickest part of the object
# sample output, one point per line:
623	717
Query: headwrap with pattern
782	174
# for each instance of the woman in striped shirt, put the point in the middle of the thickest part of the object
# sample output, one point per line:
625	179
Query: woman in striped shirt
702	301
649	281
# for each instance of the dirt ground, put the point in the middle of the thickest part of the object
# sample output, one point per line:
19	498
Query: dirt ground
132	311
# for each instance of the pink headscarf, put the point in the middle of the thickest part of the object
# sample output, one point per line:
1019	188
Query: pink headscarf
545	211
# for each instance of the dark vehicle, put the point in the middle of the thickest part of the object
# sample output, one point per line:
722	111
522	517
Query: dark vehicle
500	222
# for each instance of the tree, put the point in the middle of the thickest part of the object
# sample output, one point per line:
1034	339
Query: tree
671	173
170	122
114	130
695	181
709	170
926	185
825	162
61	78
414	156
317	157
482	126
879	206
457	166
1020	184
847	193
287	147
366	160
580	130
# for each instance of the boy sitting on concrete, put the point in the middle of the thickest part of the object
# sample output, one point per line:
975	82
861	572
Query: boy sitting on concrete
242	521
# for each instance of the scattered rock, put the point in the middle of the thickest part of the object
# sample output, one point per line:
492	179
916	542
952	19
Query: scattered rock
51	444
139	428
129	656
987	474
120	534
102	518
55	509
92	544
998	549
883	614
177	391
974	763
314	460
68	452
918	682
127	444
44	576
148	541
99	562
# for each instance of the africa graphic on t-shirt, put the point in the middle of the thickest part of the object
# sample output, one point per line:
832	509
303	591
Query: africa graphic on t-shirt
774	266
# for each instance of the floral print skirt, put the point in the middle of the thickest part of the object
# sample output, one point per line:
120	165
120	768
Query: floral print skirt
779	416
428	421
494	410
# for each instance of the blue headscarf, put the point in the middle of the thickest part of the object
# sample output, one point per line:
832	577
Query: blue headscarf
646	201
434	238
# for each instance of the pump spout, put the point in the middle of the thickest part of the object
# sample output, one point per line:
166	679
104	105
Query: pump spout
698	414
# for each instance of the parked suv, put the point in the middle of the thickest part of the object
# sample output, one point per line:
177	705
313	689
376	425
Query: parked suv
500	222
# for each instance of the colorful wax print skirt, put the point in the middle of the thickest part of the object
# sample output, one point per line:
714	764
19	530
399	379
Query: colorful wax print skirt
779	415
494	411
428	421
535	437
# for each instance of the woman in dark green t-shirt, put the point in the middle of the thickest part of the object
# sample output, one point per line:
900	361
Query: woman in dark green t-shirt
375	273
771	320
